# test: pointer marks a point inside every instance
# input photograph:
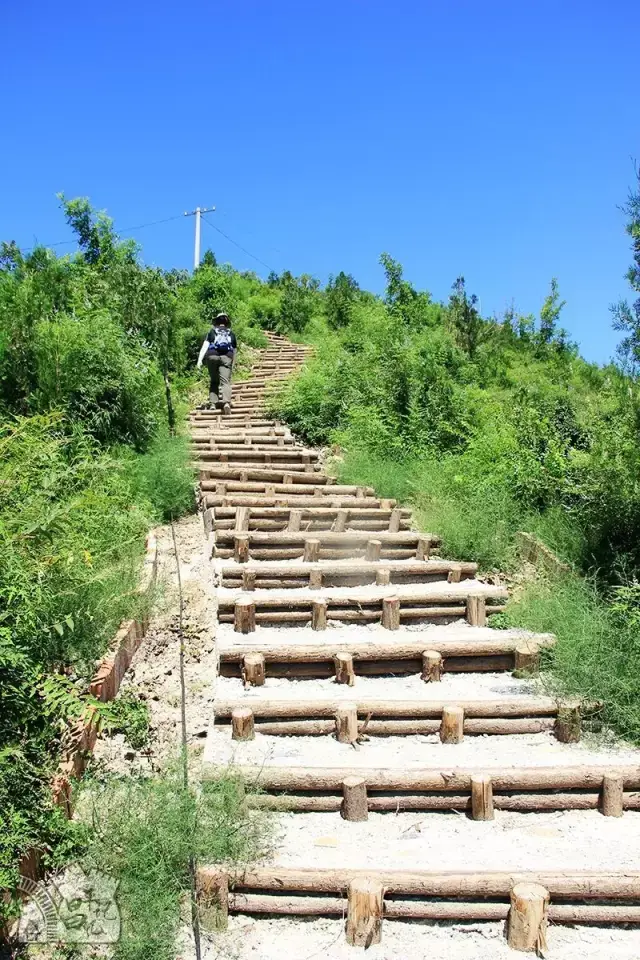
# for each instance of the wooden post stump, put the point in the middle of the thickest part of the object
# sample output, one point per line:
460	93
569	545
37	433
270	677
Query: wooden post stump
207	519
394	520
347	723
476	611
423	550
364	912
386	504
242	518
287	479
360	493
431	666
372	553
295	519
248	579
221	489
452	725
568	722
340	523
612	794
315	579
344	668
253	670
355	806
526	659
241	549
318	492
527	921
311	551
481	798
242	725
213	901
318	614
391	613
383	577
270	490
244	616
455	573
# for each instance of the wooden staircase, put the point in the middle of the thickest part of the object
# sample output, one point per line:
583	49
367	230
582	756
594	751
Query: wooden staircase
340	622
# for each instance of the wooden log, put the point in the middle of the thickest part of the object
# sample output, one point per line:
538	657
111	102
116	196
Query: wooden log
568	722
431	666
409	727
208	520
527	921
346	723
241	549
249	579
242	725
612	794
452	725
508	707
315	579
526	660
423	548
213	898
442	910
354	805
383	577
243	516
344	669
364	912
253	670
432	778
295	519
311	551
394	520
396	649
244	616
455	573
318	614
513	802
391	613
476	611
373	550
482	798
340	523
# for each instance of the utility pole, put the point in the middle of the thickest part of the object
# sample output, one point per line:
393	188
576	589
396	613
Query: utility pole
197	214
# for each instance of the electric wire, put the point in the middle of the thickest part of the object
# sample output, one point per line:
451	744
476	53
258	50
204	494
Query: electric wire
244	250
120	233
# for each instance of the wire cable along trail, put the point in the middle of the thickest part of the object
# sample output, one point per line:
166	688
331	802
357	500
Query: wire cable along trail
401	741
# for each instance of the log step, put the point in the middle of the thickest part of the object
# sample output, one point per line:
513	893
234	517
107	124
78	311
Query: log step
284	475
323	574
462	651
368	898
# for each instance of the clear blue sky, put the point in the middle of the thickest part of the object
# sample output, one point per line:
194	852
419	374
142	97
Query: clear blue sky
489	138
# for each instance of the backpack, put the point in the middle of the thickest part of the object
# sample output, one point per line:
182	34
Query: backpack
221	342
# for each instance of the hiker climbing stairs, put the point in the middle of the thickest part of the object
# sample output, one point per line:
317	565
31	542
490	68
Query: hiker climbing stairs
359	679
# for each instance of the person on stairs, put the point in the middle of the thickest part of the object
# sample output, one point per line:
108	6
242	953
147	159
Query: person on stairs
218	352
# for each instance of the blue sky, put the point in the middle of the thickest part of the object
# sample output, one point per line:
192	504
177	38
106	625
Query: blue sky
486	138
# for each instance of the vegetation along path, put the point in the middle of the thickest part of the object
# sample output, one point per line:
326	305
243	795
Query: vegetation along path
417	770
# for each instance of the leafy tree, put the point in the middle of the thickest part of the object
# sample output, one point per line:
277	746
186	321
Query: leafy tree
550	314
340	295
209	259
626	316
467	322
296	306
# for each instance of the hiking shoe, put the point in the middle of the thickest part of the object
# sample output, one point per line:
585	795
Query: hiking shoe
226	408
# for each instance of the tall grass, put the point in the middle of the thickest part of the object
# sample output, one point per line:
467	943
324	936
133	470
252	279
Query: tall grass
143	834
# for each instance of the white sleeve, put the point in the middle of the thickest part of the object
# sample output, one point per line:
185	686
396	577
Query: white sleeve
203	350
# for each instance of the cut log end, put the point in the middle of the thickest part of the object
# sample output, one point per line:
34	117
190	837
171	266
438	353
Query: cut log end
391	613
344	668
527	922
318	614
364	912
242	725
347	723
355	805
452	725
612	794
482	798
253	669
431	666
244	616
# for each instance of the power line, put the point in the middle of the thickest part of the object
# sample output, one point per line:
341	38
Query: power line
120	233
227	237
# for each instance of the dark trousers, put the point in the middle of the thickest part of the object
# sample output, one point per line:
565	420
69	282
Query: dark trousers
219	367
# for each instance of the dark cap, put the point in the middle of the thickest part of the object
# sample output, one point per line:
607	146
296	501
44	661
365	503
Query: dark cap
223	316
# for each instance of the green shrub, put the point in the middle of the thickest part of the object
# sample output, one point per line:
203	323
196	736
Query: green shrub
165	478
129	715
